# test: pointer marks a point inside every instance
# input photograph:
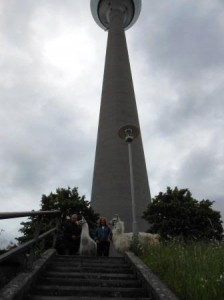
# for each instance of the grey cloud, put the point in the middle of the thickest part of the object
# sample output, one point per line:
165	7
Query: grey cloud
194	109
183	38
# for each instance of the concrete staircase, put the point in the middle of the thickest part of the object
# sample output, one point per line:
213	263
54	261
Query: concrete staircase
75	277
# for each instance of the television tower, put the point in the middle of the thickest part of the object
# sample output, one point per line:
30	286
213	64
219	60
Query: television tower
111	188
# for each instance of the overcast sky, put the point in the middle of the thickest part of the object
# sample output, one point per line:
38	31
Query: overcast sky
51	70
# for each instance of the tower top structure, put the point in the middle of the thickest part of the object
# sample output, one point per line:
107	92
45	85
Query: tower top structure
101	11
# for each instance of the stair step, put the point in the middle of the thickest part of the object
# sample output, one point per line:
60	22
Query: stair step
90	282
96	269
90	263
58	290
82	260
84	275
38	297
89	258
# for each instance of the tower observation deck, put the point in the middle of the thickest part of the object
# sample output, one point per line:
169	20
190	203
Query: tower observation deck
111	190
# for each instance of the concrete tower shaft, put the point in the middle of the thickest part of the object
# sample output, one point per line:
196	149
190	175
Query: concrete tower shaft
111	190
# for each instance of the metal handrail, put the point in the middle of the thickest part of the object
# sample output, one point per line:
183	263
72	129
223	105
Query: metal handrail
32	243
25	246
11	215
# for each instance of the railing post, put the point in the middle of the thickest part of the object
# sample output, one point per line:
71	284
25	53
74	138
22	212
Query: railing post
33	248
56	232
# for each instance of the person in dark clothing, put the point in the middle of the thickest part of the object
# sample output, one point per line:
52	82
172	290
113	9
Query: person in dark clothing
103	237
72	234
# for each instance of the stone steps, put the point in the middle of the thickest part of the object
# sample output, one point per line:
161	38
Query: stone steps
87	278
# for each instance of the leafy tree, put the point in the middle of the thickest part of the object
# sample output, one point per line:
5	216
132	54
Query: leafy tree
68	202
177	213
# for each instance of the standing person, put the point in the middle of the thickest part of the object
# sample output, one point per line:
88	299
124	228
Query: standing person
103	238
72	234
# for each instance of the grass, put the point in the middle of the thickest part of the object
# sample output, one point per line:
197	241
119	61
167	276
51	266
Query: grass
193	271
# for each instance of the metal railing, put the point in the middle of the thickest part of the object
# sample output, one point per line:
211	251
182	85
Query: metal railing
32	244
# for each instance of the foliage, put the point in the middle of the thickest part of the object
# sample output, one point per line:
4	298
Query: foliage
177	213
192	270
68	202
136	247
